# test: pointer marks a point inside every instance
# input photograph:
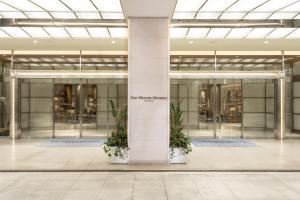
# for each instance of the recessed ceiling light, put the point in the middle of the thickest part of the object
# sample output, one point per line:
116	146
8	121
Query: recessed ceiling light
113	41
35	41
236	56
266	42
191	42
62	56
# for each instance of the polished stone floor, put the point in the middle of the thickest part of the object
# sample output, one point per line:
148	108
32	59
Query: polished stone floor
150	186
270	154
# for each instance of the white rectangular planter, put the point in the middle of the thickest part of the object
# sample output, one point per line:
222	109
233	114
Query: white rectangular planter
117	159
178	157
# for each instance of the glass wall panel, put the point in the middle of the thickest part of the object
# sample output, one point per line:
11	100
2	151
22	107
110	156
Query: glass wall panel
36	110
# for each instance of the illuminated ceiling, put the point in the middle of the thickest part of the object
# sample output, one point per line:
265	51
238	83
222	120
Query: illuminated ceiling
238	10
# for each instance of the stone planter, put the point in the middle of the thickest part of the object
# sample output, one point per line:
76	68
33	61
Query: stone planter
118	159
178	157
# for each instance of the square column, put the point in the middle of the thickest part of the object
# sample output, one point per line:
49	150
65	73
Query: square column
148	90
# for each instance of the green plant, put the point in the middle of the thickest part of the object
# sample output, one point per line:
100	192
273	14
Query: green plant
117	143
177	138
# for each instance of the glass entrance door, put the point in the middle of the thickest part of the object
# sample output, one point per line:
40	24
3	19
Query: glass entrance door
66	109
228	110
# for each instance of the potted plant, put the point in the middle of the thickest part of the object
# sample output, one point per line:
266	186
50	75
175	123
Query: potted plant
180	144
116	145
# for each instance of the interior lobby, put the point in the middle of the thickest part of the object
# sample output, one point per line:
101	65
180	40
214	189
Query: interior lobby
136	99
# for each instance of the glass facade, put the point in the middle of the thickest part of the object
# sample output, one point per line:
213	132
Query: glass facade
57	107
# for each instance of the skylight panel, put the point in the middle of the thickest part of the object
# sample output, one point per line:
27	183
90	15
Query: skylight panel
23	5
197	32
218	32
112	15
63	15
184	15
233	15
78	32
208	15
118	32
259	33
57	32
88	15
178	32
80	5
108	5
36	32
38	15
273	5
238	33
189	5
245	5
216	5
98	32
15	32
51	5
13	15
295	34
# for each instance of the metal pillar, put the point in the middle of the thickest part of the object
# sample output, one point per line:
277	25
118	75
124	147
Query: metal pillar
12	121
280	103
80	99
215	99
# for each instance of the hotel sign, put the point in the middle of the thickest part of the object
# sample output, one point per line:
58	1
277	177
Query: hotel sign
149	98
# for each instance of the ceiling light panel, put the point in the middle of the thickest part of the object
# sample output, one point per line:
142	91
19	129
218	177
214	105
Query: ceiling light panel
232	15
82	5
216	5
36	32
5	7
280	33
15	32
283	15
88	15
108	5
294	35
189	5
112	15
274	5
218	33
178	32
78	32
38	15
292	8
13	15
259	33
23	5
51	5
258	15
238	33
118	32
98	32
184	15
245	5
208	15
57	32
63	15
197	32
3	34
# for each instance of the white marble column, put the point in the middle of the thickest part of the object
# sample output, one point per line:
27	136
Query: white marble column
148	90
